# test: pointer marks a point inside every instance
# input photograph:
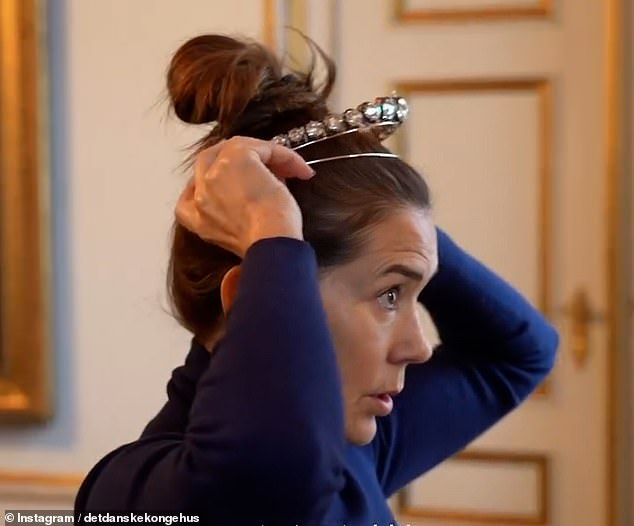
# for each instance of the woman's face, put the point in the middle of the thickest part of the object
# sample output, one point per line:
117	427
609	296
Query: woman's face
374	316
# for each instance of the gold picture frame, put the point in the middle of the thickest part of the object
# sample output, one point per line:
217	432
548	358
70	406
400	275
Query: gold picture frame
25	383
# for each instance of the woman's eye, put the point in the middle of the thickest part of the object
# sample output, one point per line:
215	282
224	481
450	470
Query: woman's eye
389	298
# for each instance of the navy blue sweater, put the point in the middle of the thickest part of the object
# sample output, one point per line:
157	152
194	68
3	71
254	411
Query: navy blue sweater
254	433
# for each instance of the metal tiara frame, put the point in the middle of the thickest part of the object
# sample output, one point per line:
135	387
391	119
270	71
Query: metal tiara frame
382	117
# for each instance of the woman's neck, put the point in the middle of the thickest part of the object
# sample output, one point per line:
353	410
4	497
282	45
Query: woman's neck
210	339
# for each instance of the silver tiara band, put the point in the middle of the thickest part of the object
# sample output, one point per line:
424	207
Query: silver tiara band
354	156
381	117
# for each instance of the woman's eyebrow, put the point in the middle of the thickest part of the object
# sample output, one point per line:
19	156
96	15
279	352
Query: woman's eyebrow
404	270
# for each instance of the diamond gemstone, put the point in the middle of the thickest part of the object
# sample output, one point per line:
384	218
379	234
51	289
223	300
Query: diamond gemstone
371	111
296	135
354	118
389	110
334	123
315	130
281	139
402	110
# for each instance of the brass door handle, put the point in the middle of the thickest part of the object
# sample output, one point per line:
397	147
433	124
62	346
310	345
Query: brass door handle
580	314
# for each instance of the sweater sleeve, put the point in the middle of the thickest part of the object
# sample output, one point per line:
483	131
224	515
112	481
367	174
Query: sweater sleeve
266	420
495	350
181	389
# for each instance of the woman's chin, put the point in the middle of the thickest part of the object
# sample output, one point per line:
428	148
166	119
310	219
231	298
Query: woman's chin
361	431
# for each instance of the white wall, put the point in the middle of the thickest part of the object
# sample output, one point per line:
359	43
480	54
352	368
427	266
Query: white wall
115	180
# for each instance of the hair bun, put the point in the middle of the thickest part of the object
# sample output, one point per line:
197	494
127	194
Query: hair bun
214	77
244	88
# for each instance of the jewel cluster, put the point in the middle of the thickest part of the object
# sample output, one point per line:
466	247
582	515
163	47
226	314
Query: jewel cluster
382	116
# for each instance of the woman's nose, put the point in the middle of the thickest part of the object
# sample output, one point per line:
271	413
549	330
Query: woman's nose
411	344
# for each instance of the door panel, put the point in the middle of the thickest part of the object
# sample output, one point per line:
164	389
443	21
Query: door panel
507	124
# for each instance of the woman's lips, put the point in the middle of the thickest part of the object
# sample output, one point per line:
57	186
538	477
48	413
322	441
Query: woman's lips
383	404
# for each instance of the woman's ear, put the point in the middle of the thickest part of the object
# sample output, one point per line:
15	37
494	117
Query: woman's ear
229	288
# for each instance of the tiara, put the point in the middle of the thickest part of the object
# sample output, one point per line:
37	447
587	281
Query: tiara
381	117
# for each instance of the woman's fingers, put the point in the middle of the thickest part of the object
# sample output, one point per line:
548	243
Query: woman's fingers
234	190
204	160
283	162
189	216
186	211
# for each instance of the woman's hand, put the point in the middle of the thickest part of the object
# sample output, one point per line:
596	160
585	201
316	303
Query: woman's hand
238	196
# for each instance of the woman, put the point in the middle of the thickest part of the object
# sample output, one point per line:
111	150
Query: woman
298	264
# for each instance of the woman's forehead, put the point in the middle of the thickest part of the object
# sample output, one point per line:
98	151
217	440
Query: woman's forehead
404	231
405	237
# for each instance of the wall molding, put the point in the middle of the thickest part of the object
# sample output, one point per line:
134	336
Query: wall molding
542	87
39	487
540	9
541	464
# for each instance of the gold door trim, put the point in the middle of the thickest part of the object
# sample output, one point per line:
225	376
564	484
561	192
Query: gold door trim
543	88
293	16
24	216
541	517
615	248
539	9
269	31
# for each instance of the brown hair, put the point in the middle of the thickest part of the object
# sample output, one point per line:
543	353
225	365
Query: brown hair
244	89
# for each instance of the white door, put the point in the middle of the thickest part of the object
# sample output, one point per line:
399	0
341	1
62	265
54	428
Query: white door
508	124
